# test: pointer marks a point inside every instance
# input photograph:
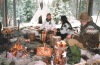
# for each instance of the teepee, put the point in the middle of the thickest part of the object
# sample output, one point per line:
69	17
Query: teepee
41	11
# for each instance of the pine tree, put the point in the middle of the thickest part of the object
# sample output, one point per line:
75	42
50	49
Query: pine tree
28	10
60	7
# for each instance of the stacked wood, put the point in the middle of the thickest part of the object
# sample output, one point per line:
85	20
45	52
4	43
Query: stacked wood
7	31
59	49
58	57
32	37
49	37
44	51
56	39
47	60
43	36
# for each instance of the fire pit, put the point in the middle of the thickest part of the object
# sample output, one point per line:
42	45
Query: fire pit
18	51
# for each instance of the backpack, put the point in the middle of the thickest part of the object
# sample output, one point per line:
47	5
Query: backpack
73	54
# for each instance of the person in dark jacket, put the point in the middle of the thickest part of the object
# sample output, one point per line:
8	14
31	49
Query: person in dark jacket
89	33
87	39
65	29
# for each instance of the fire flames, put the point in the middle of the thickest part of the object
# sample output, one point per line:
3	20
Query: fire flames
18	48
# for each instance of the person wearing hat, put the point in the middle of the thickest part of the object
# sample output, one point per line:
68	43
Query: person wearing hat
89	33
87	39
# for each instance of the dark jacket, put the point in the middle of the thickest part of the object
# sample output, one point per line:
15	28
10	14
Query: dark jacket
89	35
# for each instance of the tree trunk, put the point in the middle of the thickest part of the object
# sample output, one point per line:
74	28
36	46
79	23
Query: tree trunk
90	7
5	12
87	3
77	8
14	8
80	6
1	1
1	9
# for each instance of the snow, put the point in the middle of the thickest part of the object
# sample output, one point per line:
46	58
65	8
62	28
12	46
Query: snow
94	59
46	6
96	20
41	12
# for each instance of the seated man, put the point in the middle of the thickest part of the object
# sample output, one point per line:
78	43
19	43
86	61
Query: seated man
89	33
48	24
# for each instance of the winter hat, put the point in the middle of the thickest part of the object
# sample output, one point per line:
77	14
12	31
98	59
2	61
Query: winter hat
85	16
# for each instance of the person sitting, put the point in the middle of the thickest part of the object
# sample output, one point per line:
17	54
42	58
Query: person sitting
65	29
89	34
87	39
48	24
49	27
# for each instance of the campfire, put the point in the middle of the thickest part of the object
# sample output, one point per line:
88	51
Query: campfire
17	50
